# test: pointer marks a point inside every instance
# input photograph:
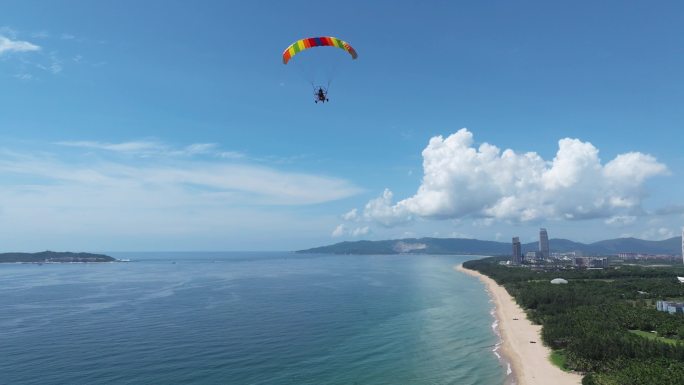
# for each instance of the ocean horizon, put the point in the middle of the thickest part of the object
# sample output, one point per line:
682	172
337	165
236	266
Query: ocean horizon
247	318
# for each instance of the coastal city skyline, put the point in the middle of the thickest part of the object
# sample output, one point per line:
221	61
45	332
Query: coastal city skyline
544	252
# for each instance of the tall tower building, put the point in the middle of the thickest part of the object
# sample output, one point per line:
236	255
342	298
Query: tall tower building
517	251
544	243
682	245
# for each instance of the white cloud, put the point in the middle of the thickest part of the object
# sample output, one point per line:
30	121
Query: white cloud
114	200
351	215
200	148
120	201
9	45
405	247
456	234
23	76
55	66
131	147
359	231
621	220
461	180
152	148
339	231
343	231
217	183
383	212
655	234
49	61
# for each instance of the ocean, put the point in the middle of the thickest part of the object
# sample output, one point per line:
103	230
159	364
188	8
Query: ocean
247	318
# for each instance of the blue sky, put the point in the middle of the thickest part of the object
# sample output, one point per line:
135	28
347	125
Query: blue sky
165	125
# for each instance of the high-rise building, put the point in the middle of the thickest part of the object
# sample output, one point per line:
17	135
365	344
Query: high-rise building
544	243
517	251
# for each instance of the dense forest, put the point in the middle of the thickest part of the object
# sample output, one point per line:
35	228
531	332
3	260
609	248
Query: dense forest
603	322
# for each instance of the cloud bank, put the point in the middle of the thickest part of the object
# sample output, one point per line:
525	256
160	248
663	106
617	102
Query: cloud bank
461	180
118	195
173	175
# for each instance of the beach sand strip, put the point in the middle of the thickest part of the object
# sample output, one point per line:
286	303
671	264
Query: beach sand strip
521	340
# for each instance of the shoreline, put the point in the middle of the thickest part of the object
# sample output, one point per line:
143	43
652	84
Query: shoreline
529	362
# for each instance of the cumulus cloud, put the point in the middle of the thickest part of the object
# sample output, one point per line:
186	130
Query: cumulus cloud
9	45
462	180
382	211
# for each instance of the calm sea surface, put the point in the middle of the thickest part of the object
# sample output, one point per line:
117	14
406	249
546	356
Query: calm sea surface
246	318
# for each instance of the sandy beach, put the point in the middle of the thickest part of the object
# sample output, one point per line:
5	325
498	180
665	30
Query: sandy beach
529	361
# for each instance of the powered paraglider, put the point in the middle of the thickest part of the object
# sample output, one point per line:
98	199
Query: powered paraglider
320	92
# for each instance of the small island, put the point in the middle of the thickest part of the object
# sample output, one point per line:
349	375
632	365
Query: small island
54	257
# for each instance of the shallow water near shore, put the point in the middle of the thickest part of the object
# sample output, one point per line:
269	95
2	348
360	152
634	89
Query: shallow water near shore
247	318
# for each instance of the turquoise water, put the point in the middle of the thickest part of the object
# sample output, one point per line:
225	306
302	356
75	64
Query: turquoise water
246	318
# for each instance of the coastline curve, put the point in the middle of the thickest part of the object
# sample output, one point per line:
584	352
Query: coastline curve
520	344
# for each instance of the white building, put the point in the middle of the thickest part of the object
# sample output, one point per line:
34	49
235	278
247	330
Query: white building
531	255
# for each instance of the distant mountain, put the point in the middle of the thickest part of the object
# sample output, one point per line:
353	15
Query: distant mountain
634	245
414	245
53	257
475	246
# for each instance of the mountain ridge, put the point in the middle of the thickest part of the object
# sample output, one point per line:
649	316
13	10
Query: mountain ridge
428	245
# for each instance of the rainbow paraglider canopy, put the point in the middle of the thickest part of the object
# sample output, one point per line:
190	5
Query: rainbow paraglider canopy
322	41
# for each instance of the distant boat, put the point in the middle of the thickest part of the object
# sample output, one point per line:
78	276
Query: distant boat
681	279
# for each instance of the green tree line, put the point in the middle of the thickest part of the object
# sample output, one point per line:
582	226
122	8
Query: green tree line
591	317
